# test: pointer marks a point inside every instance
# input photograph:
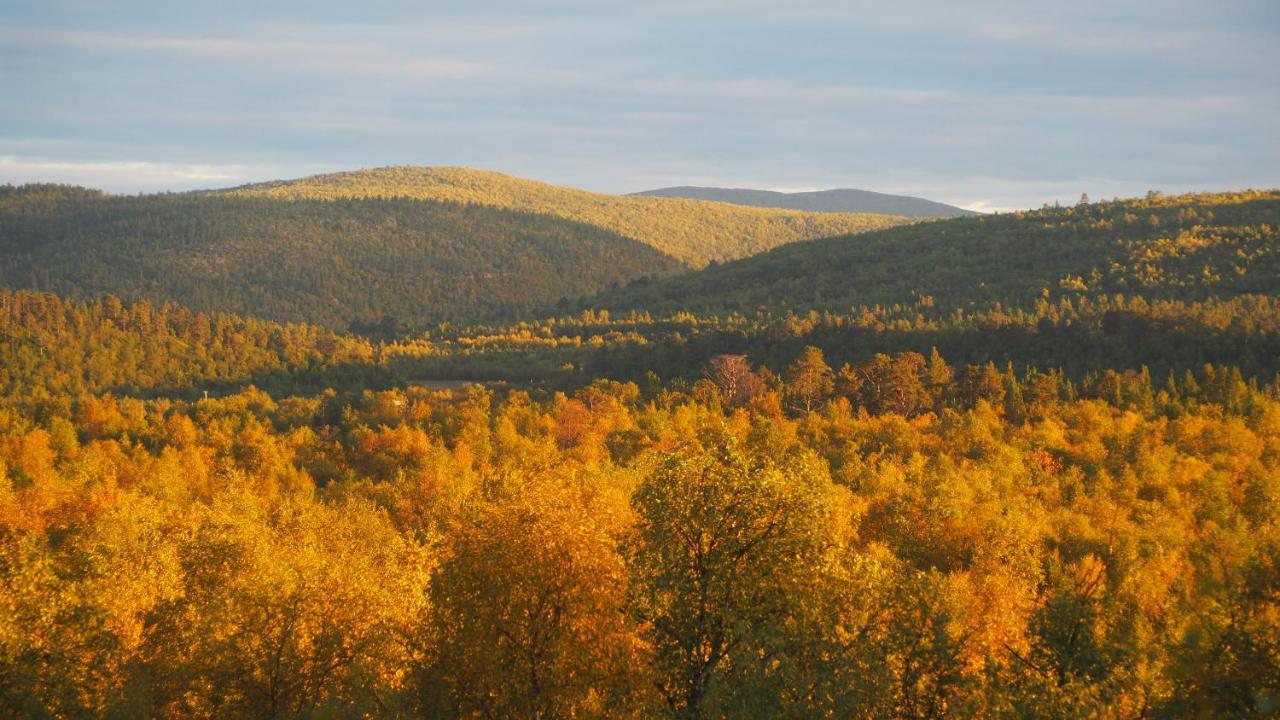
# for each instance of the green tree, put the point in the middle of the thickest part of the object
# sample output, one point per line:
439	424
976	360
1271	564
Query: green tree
980	382
727	545
809	379
887	384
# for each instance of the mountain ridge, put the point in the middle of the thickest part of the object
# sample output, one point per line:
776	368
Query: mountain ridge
842	200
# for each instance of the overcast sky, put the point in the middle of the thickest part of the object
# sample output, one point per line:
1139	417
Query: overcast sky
986	105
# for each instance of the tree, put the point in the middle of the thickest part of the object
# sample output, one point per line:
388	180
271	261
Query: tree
887	384
529	614
733	376
937	377
279	616
809	379
727	546
980	382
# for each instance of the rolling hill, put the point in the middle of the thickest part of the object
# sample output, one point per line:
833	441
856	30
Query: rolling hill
1187	248
693	231
330	263
842	200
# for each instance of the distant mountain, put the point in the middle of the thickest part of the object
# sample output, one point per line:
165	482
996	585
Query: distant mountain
693	231
837	201
1187	248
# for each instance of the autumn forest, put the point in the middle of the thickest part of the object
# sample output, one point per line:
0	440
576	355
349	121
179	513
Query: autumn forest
436	443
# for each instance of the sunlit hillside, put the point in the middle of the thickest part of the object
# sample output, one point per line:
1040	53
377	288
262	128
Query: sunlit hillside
694	231
1189	247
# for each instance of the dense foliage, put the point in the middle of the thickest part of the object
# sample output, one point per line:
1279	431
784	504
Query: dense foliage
1080	337
372	262
1187	248
51	347
1198	281
694	231
899	538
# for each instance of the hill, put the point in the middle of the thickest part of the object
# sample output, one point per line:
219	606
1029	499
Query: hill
358	261
693	231
841	200
1188	248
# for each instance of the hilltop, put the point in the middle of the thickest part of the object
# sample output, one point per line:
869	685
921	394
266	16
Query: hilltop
840	200
693	231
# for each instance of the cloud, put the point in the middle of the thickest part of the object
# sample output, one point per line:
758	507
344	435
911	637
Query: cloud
132	176
989	103
266	54
781	90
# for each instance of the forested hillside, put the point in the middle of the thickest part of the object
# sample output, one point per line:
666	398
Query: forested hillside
1187	248
1083	339
372	262
838	200
50	346
693	231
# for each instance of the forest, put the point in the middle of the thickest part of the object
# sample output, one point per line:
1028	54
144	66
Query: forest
1047	490
380	252
1180	247
346	264
897	538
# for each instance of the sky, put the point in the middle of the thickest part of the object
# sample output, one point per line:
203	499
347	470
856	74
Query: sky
987	105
